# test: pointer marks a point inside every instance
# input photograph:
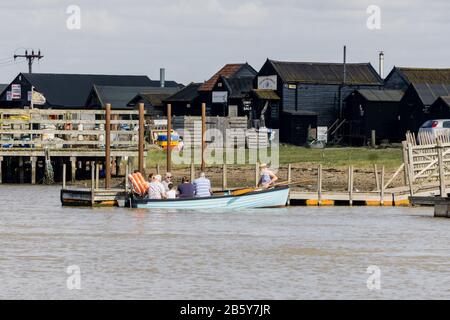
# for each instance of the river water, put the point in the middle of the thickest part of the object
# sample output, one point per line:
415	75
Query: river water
295	253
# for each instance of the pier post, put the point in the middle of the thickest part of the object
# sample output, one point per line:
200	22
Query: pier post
21	170
289	173
382	187
73	168
107	147
64	177
224	176
97	176
203	136
1	172
33	170
141	139
441	169
350	185
157	169
319	185
169	138
92	183
377	179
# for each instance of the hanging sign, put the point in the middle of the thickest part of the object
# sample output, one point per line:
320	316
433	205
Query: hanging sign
267	82
219	96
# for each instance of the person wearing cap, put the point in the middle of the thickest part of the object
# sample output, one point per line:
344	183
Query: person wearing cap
167	180
156	189
268	178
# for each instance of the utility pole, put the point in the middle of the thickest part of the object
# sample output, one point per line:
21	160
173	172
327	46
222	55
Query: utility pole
30	57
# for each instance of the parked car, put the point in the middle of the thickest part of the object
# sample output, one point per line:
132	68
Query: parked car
436	127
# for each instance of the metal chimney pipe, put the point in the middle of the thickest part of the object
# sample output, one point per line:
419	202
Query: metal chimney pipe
381	64
162	77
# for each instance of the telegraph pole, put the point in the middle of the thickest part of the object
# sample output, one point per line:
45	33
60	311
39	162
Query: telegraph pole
30	57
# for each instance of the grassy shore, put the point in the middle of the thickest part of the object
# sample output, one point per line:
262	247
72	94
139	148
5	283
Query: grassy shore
330	157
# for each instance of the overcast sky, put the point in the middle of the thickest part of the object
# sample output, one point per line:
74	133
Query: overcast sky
194	38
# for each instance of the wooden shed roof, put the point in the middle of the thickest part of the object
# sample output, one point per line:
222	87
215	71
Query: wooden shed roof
381	95
429	92
326	73
424	75
265	94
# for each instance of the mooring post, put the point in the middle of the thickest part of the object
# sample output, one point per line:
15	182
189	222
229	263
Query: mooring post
92	183
169	138
289	173
21	170
73	168
350	185
382	187
107	147
256	174
127	172
157	169
64	177
33	170
373	140
377	179
224	176
203	166
1	171
441	169
141	138
97	176
319	185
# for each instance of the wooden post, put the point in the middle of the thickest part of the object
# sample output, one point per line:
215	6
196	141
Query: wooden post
64	176
1	171
405	161
350	185
224	177
319	185
382	187
257	174
192	171
441	169
289	173
107	147
203	135
410	169
169	137
141	138
21	170
97	176
377	178
73	168
33	170
373	139
92	184
127	172
157	168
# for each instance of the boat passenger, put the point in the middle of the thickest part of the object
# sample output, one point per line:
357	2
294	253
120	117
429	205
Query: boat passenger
156	189
171	194
268	178
202	186
186	189
167	180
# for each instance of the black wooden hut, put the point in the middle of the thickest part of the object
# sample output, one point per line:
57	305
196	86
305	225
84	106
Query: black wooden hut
440	109
186	102
367	110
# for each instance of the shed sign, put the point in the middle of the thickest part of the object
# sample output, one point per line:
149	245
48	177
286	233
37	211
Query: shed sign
267	82
16	92
322	134
219	96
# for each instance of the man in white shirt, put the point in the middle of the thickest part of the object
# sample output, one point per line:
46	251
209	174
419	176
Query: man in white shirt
156	189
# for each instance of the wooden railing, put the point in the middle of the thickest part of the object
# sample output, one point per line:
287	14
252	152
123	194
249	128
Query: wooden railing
37	128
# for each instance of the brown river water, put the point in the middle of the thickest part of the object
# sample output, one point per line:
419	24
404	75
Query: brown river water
292	253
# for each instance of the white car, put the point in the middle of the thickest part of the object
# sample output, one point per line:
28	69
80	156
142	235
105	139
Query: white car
436	127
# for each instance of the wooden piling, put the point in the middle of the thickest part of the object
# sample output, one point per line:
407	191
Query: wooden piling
203	166
97	176
73	168
192	171
107	147
158	169
382	187
92	184
33	170
1	171
141	138
319	185
289	173
169	138
350	185
64	176
377	178
443	193
224	176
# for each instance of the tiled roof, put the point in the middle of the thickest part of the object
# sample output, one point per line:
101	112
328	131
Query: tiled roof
227	71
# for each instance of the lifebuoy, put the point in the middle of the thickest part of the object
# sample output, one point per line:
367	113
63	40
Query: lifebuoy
143	186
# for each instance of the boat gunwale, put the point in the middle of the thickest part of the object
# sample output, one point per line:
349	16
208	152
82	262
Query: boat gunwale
144	201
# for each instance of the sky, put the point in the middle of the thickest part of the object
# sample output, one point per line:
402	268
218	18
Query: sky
192	39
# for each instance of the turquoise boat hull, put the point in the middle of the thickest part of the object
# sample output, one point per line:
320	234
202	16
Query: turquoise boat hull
276	197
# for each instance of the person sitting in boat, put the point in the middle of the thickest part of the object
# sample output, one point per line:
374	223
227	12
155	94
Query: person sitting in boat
171	194
156	189
186	189
202	186
268	178
167	180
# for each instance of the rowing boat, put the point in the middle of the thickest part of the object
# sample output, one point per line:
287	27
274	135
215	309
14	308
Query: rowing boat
274	197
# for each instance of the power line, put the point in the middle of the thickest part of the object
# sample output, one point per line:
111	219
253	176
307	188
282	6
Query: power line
30	57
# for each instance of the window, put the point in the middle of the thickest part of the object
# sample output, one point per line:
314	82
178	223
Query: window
446	124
